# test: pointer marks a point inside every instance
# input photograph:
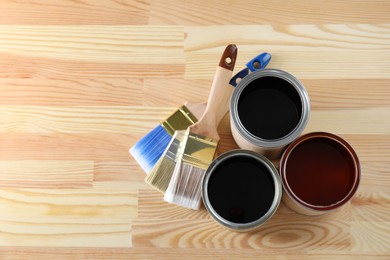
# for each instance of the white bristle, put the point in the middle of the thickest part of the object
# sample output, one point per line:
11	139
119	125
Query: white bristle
184	188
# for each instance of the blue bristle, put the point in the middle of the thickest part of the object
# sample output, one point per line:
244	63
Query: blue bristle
149	149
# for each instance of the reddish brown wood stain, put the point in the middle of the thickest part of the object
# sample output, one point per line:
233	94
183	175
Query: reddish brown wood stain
321	172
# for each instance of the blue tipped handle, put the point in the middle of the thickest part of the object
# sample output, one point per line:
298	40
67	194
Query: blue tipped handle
257	63
240	75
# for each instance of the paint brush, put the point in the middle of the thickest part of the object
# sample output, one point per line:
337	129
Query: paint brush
149	148
201	139
160	175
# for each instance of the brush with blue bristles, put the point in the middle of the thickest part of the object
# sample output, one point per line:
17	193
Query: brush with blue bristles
149	148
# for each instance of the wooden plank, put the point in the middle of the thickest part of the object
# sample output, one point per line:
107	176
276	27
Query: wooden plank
84	119
105	147
335	51
99	216
375	176
97	205
274	235
15	66
71	92
102	91
115	44
334	94
326	64
370	236
46	174
86	52
57	12
290	37
371	206
65	235
267	12
370	148
362	121
40	252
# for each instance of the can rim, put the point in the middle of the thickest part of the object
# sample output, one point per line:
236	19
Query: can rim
311	136
281	141
277	185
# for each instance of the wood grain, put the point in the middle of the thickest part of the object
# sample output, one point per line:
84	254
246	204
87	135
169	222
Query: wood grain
368	121
266	12
292	236
375	177
172	253
85	119
71	92
40	12
371	206
62	146
332	94
374	232
82	81
46	174
336	49
96	43
66	217
370	148
89	51
17	66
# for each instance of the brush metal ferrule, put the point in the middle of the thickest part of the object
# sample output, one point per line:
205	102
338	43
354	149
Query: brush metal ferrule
199	150
179	120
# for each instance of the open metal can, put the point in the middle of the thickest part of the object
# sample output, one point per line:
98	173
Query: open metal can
269	109
241	190
320	172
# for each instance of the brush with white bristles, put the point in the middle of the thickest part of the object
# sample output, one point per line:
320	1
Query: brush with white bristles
161	174
200	141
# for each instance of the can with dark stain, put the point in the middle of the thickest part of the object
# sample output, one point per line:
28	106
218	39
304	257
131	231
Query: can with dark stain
269	109
241	190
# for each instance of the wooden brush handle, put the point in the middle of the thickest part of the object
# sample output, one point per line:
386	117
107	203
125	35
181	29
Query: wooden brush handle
218	102
197	109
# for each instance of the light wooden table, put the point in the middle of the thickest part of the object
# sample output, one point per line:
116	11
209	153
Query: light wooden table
82	81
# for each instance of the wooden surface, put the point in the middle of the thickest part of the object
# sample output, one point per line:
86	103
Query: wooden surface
82	81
